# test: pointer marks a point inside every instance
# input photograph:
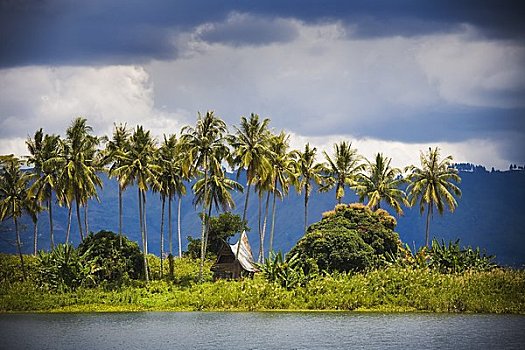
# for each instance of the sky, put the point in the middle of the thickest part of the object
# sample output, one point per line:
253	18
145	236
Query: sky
394	77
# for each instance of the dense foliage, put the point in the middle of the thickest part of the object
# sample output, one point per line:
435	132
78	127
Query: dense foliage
64	268
446	258
113	263
349	238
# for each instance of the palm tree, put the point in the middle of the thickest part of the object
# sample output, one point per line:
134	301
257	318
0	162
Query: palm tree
341	170
218	194
81	166
381	182
179	188
264	184
115	154
206	151
250	151
33	208
283	173
307	170
432	185
169	182
14	196
138	167
46	157
34	147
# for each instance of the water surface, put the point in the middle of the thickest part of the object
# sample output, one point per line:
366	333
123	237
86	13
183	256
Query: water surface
260	330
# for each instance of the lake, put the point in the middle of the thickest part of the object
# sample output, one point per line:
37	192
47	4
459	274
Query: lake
260	330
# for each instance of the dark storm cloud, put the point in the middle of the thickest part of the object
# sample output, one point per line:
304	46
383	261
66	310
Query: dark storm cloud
240	30
454	125
88	32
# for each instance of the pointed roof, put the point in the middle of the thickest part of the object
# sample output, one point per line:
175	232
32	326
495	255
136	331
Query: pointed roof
245	256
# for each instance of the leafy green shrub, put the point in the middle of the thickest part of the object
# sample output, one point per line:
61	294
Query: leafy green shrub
452	258
445	258
114	264
288	274
64	268
350	238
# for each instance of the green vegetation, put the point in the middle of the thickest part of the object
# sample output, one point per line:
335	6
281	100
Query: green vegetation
349	238
390	289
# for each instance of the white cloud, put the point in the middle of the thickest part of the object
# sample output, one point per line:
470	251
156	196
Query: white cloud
474	72
475	151
34	97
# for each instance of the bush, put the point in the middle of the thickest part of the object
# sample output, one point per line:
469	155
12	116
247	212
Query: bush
114	264
349	238
451	258
288	274
64	268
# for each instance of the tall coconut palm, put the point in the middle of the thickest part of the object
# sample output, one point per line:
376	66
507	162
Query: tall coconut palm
307	170
342	169
283	173
264	184
47	160
433	185
206	150
115	154
13	196
138	167
250	151
381	182
217	193
182	175
169	182
35	147
33	208
81	166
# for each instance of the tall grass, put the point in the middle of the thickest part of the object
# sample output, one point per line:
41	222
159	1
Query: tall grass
389	289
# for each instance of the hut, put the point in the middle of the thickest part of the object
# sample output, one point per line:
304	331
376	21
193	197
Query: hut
228	266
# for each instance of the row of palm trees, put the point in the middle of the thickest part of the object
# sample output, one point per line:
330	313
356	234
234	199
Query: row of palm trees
67	170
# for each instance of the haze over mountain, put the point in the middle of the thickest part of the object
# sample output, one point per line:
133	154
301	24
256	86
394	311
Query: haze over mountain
489	215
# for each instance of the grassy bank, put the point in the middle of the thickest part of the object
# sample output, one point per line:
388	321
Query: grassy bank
390	289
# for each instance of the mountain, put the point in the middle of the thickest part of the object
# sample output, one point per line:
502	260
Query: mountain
489	215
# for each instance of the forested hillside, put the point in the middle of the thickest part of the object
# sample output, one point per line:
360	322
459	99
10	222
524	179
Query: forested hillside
489	215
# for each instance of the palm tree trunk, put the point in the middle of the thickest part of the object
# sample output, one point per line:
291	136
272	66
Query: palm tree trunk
170	233
19	246
86	218
35	235
144	220
264	226
427	231
259	218
178	227
69	214
78	218
203	233
162	234
246	201
207	229
305	208
146	276
273	222
51	235
120	215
